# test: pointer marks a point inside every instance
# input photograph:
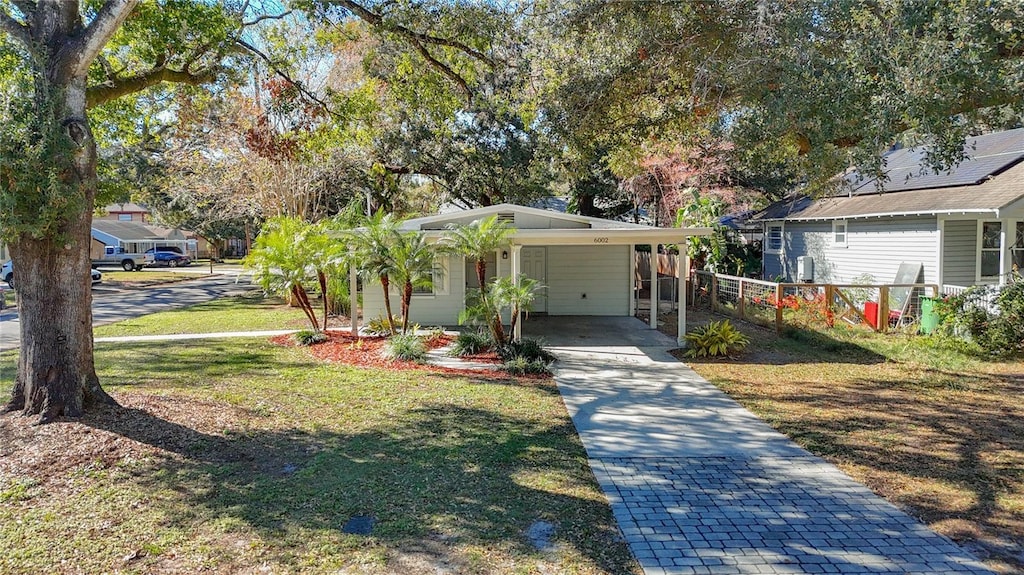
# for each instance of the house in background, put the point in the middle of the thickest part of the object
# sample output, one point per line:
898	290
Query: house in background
965	227
127	212
586	263
132	237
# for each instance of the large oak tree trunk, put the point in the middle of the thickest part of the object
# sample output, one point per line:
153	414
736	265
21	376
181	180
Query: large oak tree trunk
56	375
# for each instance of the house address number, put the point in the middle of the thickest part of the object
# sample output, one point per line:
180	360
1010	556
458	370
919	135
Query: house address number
603	240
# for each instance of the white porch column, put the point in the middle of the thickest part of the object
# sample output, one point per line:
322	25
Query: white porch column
517	334
682	267
353	299
654	286
632	279
1004	251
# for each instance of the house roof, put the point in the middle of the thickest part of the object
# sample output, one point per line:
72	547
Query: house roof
586	231
432	222
990	181
124	231
125	208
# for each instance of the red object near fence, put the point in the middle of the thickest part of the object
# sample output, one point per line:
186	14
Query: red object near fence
871	313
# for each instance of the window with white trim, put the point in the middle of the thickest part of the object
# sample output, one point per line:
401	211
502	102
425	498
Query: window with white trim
991	240
439	283
839	233
773	239
124	217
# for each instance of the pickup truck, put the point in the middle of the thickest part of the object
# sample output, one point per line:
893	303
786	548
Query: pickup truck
116	256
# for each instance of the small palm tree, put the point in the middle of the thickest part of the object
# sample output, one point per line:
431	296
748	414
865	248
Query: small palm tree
413	260
517	296
282	261
476	241
372	244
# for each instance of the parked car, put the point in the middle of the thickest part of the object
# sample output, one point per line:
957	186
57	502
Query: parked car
7	274
166	258
174	249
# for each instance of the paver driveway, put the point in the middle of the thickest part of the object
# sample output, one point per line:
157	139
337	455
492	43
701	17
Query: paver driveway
698	484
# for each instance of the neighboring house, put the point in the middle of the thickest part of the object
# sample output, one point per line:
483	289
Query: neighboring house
127	212
586	263
132	237
965	227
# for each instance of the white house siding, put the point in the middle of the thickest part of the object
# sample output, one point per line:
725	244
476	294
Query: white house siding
426	310
875	247
600	272
960	252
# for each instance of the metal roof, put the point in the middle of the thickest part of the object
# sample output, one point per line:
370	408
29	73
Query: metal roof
125	231
986	156
991	179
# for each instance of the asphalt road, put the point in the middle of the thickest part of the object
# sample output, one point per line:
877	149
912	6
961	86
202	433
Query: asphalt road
110	305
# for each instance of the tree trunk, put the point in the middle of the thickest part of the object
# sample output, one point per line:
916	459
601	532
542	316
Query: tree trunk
385	284
481	274
322	279
56	376
406	302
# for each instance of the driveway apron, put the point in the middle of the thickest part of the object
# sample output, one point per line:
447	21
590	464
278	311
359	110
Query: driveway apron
698	484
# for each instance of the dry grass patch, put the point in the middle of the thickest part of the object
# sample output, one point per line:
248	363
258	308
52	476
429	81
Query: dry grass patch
936	432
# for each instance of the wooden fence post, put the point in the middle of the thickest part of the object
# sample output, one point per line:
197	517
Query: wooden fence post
740	305
883	309
778	308
714	292
830	295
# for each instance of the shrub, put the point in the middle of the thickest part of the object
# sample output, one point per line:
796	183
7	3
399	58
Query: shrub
379	325
471	343
520	365
715	339
531	349
995	328
405	346
310	337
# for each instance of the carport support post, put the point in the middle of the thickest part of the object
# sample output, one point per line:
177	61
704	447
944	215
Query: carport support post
681	292
353	299
516	265
632	279
654	286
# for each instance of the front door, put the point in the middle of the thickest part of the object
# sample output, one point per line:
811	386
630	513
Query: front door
534	267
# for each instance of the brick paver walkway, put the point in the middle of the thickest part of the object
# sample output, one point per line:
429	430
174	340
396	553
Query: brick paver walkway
700	485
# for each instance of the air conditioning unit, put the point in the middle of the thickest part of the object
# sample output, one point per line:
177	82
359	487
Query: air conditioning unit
805	269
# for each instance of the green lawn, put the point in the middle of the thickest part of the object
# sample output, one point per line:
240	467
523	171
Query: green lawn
243	313
240	456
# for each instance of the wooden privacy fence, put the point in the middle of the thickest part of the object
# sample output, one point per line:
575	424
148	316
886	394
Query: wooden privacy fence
811	305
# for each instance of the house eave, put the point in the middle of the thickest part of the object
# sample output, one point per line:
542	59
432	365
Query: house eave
972	211
549	237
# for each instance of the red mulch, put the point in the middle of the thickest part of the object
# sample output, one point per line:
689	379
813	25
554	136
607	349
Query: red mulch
366	352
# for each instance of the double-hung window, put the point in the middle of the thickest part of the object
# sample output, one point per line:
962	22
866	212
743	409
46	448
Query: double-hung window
839	233
991	241
773	238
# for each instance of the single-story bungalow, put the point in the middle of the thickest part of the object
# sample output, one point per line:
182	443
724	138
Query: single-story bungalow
587	264
964	227
135	238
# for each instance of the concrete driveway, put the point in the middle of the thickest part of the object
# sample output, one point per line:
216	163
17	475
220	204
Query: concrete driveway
698	484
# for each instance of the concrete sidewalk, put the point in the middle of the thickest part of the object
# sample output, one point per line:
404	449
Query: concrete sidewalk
698	484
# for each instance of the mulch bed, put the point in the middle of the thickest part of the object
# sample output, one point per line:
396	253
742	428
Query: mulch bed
367	351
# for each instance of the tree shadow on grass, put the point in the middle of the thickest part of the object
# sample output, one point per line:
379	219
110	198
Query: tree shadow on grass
463	476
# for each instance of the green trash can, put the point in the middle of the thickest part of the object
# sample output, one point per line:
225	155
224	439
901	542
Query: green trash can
929	318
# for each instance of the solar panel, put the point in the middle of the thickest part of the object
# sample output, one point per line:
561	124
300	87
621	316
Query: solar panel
987	154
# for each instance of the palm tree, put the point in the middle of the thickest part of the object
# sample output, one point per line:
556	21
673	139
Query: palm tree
476	241
516	295
282	261
372	245
413	260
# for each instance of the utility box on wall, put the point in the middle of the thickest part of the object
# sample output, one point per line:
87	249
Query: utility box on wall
805	269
